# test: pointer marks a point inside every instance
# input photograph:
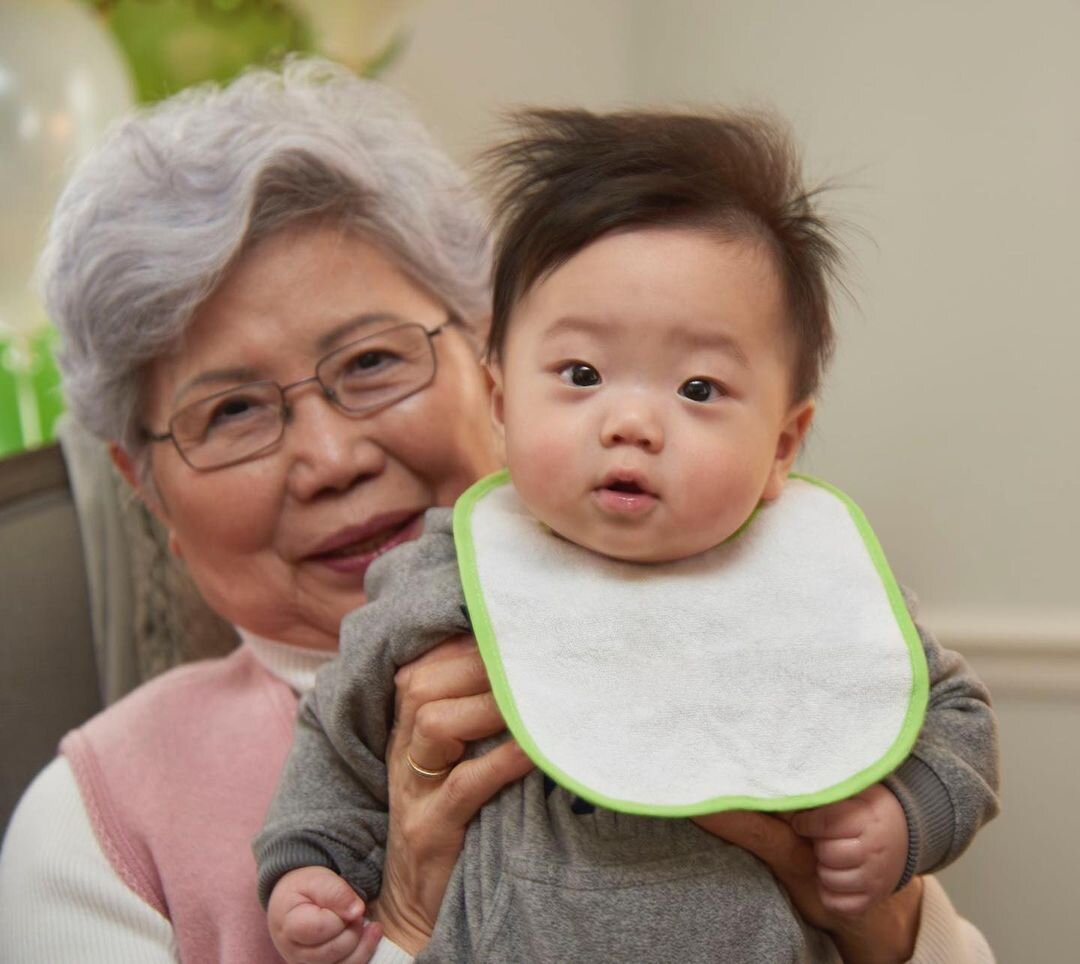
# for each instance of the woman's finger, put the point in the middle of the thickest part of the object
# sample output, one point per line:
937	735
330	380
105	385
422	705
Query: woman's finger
768	838
473	782
441	729
452	669
450	648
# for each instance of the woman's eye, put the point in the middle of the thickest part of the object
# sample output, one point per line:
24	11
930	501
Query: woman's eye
229	417
370	361
234	407
580	374
700	390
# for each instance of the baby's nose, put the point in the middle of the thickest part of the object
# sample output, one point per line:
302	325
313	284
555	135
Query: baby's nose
635	426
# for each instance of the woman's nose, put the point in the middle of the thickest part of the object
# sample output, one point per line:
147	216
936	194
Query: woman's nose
329	451
633	422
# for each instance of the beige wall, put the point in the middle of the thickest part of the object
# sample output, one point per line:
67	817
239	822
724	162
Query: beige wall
466	59
951	412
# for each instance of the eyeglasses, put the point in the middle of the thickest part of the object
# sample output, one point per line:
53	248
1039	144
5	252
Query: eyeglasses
243	422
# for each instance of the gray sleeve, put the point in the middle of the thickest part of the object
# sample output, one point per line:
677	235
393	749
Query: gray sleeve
948	785
331	801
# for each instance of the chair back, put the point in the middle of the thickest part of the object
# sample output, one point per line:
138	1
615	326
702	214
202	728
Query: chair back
48	675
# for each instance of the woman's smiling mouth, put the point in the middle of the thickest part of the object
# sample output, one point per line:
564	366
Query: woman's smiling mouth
353	549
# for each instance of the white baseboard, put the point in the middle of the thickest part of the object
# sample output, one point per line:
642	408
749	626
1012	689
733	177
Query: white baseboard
1028	653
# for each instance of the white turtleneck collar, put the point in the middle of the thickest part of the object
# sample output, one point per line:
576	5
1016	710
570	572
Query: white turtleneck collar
294	665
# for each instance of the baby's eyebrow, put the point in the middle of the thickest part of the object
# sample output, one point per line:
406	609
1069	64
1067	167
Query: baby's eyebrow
717	341
573	324
694	339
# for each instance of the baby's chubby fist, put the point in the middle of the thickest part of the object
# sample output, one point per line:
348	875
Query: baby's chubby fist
315	917
861	847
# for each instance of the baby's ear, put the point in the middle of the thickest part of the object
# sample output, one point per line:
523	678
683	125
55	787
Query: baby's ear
788	443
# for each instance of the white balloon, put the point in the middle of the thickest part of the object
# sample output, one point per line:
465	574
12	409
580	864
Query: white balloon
62	80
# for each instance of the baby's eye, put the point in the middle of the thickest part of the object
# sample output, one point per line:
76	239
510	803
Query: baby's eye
700	390
580	374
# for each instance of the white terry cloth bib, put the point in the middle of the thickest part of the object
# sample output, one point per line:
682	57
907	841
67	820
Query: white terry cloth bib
777	671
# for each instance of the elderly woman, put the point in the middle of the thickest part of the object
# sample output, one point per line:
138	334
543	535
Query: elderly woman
270	298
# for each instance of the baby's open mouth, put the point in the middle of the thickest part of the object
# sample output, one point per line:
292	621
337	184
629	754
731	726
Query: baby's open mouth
625	493
626	482
631	488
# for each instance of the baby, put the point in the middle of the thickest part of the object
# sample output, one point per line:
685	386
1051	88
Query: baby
660	324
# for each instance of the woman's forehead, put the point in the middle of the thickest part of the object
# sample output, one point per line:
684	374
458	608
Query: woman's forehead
288	302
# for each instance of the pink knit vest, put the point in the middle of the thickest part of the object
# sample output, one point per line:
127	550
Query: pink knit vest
177	778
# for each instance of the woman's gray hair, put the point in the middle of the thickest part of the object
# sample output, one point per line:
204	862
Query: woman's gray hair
152	221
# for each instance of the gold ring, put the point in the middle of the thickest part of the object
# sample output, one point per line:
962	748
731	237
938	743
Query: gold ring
423	771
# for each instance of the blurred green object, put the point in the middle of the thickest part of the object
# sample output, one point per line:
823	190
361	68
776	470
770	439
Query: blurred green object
30	399
171	44
166	45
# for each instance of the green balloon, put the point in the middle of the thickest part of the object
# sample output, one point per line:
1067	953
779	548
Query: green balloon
172	44
30	399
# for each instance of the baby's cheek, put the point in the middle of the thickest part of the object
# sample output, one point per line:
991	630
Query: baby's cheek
547	453
546	474
709	514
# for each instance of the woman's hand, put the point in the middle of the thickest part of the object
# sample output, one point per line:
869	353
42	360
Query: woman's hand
443	701
884	934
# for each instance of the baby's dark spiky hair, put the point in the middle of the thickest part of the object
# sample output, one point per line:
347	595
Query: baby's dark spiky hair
569	177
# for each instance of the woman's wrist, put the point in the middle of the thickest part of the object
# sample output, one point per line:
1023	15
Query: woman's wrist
885	934
410	935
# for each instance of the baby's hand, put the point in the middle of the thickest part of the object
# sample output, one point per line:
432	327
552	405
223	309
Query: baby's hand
316	918
861	846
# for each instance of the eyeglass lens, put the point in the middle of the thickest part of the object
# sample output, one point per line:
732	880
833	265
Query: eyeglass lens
367	374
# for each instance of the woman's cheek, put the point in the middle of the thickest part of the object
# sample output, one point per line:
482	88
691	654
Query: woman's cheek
239	518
